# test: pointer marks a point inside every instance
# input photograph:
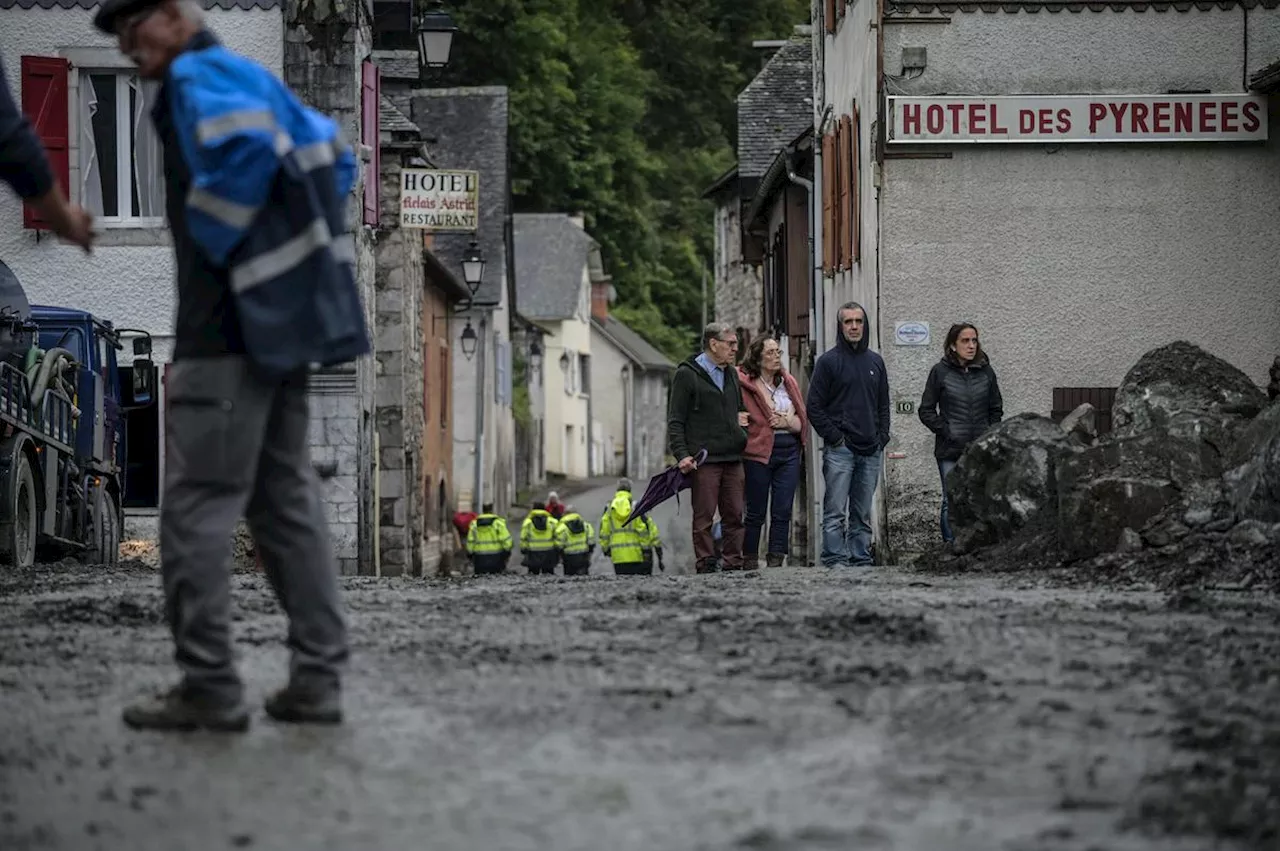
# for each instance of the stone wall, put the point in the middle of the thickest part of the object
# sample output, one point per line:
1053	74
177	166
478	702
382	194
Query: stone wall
739	286
323	47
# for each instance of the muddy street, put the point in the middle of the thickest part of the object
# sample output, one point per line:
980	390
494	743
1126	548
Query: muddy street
787	709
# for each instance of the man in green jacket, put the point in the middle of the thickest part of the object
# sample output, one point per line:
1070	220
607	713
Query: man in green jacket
705	411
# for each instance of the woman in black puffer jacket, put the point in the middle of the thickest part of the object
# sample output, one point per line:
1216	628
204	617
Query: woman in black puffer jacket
961	400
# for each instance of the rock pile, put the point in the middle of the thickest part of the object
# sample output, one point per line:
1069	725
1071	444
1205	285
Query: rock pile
1185	488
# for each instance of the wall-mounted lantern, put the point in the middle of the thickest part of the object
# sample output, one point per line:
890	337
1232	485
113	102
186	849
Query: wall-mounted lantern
435	36
469	341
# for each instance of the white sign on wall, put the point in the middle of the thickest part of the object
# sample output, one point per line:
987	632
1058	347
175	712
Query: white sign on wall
439	200
911	334
1078	118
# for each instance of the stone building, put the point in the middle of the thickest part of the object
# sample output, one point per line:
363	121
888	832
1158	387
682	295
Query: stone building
773	110
1098	180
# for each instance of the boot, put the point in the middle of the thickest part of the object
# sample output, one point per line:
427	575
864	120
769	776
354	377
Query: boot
774	559
707	566
295	705
177	710
750	561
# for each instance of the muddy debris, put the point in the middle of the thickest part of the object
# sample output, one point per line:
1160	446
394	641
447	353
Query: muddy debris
1185	491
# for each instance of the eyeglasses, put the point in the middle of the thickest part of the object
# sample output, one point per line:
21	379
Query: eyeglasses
733	342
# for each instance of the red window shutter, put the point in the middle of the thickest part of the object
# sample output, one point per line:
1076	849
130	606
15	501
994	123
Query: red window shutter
44	100
830	15
828	204
370	130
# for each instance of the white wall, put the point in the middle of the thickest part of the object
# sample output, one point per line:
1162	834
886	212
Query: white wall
128	284
609	401
565	394
1074	260
499	424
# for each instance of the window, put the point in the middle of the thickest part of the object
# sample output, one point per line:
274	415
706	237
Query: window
584	372
121	170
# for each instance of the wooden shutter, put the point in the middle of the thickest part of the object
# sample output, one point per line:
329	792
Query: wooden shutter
855	193
829	15
843	160
828	204
799	261
44	100
370	131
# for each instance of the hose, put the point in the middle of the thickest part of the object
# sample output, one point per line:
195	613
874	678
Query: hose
50	360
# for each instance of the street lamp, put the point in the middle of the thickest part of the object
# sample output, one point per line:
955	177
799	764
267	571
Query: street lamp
535	355
435	37
473	266
469	340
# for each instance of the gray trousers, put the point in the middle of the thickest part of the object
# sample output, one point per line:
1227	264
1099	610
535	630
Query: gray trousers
236	446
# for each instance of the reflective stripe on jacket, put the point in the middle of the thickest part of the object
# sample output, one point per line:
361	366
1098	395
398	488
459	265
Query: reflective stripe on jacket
625	544
538	532
574	535
488	535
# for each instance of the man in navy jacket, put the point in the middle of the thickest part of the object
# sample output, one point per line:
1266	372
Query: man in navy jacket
849	407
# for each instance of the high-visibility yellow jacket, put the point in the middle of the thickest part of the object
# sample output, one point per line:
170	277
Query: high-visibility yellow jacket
626	544
488	535
574	535
538	532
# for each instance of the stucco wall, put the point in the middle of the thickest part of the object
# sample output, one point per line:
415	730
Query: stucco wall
610	402
572	337
1073	261
128	284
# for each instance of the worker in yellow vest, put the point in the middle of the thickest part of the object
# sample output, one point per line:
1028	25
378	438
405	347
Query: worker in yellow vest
625	543
652	545
576	541
488	542
538	541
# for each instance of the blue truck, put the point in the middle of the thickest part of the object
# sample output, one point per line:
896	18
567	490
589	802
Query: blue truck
63	406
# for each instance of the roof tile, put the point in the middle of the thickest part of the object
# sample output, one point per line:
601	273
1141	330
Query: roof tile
775	107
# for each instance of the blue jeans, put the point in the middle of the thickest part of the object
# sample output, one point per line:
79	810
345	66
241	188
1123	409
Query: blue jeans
944	470
777	479
851	485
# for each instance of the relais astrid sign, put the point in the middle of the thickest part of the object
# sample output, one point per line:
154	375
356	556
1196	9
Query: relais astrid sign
438	200
1053	119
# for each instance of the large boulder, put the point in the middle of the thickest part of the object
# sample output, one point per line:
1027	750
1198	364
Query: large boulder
1183	391
1273	389
1081	425
1252	482
1005	479
1121	485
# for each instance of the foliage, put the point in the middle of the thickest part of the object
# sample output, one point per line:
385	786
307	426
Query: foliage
624	110
521	409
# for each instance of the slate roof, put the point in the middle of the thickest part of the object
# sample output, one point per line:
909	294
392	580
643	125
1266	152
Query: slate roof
1031	6
775	106
467	129
93	4
632	344
392	119
397	64
551	254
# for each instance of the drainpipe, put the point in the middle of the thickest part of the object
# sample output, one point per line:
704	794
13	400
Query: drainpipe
480	399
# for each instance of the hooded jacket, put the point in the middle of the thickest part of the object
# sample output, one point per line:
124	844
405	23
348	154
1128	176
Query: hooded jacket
702	416
959	403
848	396
625	542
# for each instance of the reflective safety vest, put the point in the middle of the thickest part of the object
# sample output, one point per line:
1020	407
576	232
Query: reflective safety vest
574	536
626	544
488	535
538	532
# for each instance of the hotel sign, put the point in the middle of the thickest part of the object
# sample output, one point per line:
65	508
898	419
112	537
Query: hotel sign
438	200
1056	119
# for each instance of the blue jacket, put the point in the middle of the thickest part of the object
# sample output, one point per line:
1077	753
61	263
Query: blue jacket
848	397
270	182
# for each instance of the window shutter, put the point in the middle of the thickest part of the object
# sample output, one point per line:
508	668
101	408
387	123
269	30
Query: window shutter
828	204
830	15
370	131
856	194
843	160
44	100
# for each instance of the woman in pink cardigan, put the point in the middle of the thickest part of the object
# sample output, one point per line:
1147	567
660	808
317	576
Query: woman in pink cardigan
775	442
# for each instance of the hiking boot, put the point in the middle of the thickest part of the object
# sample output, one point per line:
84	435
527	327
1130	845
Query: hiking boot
774	559
707	566
296	705
750	562
179	711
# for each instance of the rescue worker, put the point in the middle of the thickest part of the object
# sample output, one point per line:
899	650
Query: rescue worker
576	541
488	542
625	542
538	541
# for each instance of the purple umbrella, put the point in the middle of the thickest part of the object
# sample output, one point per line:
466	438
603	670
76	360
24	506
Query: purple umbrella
663	486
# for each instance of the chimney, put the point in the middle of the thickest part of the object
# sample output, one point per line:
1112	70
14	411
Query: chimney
579	219
600	300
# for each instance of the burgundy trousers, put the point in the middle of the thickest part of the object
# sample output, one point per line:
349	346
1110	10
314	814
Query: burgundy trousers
719	485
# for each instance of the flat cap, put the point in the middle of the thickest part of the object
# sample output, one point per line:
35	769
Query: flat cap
110	12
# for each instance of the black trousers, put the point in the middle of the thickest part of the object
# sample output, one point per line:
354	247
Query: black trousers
542	562
635	568
576	564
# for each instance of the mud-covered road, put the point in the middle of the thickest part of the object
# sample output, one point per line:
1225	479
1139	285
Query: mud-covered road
786	709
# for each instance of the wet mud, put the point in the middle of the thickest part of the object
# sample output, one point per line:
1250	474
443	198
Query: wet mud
796	708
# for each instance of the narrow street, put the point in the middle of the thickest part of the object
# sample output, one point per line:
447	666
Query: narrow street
786	709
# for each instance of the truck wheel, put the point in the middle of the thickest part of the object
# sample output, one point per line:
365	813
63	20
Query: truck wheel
104	536
19	536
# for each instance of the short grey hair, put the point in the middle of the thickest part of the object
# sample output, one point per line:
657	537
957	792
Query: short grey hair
714	331
191	10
